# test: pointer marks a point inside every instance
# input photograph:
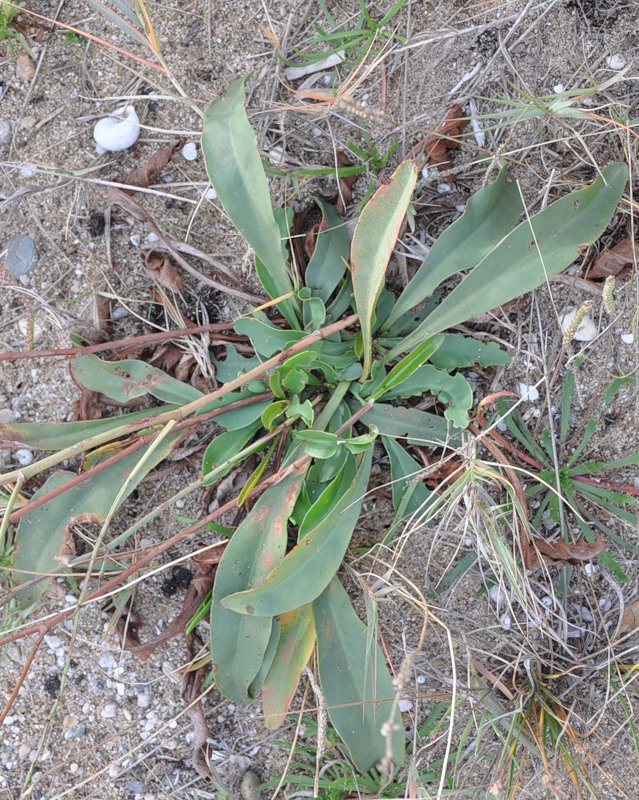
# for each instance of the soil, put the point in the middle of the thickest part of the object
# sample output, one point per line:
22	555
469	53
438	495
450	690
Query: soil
94	721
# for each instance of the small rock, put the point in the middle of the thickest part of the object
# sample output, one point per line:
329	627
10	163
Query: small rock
617	61
144	700
590	568
210	194
530	393
5	132
505	621
19	256
420	680
558	88
73	768
53	642
6	416
443	188
627	338
106	660
24	457
36	330
152	238
25	68
28	123
404	705
461	207
109	711
23	751
604	604
135	786
250	786
587	330
189	151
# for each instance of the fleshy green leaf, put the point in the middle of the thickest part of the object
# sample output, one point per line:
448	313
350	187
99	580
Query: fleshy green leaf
522	261
328	262
238	642
311	564
356	683
224	447
403	370
318	444
453	390
294	648
372	247
266	338
419	427
456	352
490	214
235	170
405	476
126	380
43	535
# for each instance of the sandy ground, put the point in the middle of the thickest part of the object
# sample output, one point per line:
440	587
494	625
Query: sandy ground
93	721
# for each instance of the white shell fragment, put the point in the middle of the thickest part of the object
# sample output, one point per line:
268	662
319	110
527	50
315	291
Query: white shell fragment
404	705
528	392
189	151
119	131
617	61
210	194
24	457
506	622
627	338
294	73
586	331
558	88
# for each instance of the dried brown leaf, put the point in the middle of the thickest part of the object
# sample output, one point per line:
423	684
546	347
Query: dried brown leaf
163	270
435	146
142	175
562	554
629	619
619	259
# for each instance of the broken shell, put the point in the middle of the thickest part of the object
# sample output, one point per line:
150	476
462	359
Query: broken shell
119	131
627	338
527	392
587	329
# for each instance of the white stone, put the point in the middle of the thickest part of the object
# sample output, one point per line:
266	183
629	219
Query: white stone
53	642
587	329
443	188
119	131
404	705
152	238
6	416
505	621
558	88
528	392
189	151
605	604
617	61
26	330
24	457
421	680
109	711
276	155
461	207
627	338
590	568
210	194
144	700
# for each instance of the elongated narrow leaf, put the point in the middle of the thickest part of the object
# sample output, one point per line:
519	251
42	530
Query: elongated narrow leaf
271	649
407	486
294	648
462	351
309	567
419	427
356	683
527	257
403	370
328	262
373	242
126	380
238	642
489	216
43	535
235	169
58	435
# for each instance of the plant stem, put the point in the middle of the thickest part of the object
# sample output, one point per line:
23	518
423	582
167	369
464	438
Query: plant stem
183	411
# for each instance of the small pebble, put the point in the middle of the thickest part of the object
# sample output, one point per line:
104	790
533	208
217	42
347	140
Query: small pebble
119	312
25	68
558	88
443	188
24	458
24	751
53	642
189	151
420	680
28	123
210	194
276	155
144	700
617	61
461	207
6	416
587	330
27	171
505	621
5	132
135	240
404	705
73	768
152	238
605	604
135	786
627	338
590	568
109	711
530	393
19	256
250	786
37	331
